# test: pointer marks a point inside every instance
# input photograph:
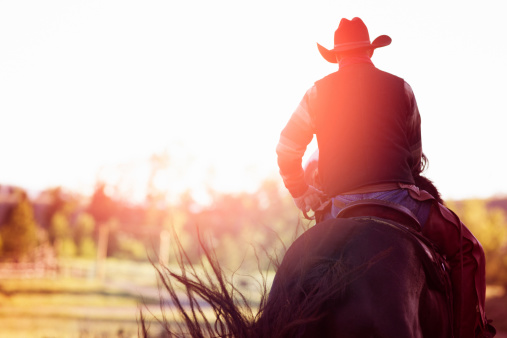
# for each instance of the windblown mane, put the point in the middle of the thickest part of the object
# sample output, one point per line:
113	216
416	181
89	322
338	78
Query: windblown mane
290	312
422	182
233	316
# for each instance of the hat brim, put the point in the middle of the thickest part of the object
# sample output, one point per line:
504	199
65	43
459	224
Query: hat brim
330	54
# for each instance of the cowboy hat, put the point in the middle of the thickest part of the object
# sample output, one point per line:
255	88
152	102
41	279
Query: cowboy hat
351	35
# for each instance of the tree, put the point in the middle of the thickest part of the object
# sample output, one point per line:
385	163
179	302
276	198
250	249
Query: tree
83	235
60	234
489	226
19	233
102	207
58	227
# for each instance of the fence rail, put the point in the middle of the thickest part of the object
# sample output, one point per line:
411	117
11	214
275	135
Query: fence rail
27	270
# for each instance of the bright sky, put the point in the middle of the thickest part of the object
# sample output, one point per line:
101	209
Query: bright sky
93	88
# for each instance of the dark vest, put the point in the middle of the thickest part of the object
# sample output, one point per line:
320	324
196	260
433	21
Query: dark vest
361	118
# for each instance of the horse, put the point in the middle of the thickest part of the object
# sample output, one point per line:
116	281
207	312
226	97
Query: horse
353	276
367	273
361	277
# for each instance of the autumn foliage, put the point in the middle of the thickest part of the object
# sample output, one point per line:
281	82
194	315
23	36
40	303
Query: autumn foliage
263	221
488	222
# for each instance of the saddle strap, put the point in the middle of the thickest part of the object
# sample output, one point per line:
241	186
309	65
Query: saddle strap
383	209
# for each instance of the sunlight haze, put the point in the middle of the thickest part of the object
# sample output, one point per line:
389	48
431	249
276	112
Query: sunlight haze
92	89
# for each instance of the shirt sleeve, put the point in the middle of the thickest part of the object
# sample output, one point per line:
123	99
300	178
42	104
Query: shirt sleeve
294	139
414	129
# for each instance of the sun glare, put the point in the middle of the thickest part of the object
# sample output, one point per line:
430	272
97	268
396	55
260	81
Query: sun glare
97	85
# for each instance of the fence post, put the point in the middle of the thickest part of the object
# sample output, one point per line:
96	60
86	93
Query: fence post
102	251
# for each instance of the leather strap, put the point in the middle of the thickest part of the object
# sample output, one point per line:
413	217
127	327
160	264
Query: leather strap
383	209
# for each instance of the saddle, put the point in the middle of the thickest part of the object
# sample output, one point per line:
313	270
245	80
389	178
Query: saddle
382	209
401	218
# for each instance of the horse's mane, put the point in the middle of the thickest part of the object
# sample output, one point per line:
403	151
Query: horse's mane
204	285
289	312
233	315
422	182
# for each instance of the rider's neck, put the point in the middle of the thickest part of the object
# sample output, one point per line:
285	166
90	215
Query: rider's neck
353	59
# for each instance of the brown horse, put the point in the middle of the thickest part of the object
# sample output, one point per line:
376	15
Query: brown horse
360	277
345	277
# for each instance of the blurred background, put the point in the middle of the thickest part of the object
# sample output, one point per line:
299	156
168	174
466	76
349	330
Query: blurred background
125	120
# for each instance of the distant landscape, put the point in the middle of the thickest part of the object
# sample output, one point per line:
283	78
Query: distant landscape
77	266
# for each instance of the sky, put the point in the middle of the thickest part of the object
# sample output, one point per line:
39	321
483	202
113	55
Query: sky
90	90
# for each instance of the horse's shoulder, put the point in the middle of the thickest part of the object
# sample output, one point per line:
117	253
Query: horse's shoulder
336	234
433	262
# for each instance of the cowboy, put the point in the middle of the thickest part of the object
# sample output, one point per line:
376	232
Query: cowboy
368	131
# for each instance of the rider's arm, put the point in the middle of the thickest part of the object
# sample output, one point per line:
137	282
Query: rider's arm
294	139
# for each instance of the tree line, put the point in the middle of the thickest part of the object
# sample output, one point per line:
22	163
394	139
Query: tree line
265	221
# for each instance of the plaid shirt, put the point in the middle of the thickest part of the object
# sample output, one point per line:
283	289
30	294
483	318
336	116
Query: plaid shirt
299	131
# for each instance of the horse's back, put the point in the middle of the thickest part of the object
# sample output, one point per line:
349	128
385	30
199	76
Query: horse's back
369	273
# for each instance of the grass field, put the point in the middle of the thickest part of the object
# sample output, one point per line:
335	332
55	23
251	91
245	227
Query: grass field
84	306
66	306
